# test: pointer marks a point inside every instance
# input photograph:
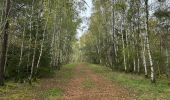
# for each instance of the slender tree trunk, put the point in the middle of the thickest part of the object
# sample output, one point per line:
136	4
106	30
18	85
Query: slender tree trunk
151	62
123	45
6	58
147	43
42	45
5	32
30	37
113	31
144	57
34	52
52	46
134	65
138	62
138	36
22	49
127	45
167	60
167	65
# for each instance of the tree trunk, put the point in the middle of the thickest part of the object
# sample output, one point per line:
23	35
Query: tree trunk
144	57
34	52
123	45
138	36
22	48
147	43
30	37
42	45
113	33
5	32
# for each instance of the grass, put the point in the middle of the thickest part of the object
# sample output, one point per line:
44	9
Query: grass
53	94
65	73
88	83
61	78
143	87
17	91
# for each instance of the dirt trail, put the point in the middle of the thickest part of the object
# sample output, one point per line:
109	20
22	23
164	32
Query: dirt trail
101	90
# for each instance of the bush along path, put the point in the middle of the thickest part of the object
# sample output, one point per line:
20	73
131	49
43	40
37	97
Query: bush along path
72	82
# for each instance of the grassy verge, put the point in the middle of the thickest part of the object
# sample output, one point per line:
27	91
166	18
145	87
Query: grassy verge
143	87
45	89
61	78
52	94
16	91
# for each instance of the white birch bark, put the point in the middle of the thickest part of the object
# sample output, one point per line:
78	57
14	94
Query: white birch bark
144	57
42	44
34	53
30	35
123	45
147	42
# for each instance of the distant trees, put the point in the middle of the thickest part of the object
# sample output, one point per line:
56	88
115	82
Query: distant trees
125	35
41	33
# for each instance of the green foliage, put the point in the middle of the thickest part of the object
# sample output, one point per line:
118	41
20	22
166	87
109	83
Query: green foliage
55	92
120	5
45	72
41	37
162	14
13	56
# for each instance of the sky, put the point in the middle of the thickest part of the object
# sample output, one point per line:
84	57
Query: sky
85	15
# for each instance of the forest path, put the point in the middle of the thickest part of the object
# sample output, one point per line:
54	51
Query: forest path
87	85
72	82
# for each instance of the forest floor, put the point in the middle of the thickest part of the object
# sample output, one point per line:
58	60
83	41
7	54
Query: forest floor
87	85
87	82
73	82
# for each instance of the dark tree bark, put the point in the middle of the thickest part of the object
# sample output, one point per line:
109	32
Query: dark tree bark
4	40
